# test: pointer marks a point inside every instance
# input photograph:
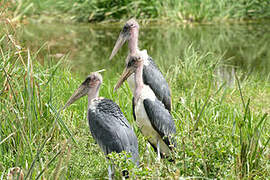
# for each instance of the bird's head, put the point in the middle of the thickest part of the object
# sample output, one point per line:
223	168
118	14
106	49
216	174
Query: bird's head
134	62
127	32
93	80
90	86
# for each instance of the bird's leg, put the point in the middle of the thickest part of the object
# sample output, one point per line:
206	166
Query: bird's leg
158	151
111	171
148	154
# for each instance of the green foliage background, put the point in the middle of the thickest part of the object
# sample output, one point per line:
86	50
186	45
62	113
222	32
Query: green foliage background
147	10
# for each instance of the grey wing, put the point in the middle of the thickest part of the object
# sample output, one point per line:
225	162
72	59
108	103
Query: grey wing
161	120
112	135
154	78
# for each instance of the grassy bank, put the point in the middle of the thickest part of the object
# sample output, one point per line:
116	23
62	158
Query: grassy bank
161	10
222	132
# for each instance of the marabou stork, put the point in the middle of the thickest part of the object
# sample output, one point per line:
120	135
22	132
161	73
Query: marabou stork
151	73
108	125
153	119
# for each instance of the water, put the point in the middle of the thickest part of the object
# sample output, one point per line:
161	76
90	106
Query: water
243	46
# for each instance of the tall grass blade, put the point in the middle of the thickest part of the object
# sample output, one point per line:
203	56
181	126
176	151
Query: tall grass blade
239	88
48	164
62	123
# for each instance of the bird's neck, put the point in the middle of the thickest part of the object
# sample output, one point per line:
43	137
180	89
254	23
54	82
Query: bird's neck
133	41
138	82
92	95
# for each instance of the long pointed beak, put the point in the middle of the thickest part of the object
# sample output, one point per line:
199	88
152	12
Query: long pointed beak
127	72
119	43
80	92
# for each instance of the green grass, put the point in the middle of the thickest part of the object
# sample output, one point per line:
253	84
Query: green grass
145	10
222	127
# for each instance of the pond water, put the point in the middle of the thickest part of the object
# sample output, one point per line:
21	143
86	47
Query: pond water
243	46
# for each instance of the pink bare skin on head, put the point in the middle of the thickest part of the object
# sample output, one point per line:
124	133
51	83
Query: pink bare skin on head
129	32
89	87
135	65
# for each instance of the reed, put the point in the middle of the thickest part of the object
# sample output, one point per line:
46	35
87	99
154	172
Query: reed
30	123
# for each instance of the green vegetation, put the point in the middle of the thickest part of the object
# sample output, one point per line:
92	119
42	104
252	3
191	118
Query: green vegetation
223	130
145	10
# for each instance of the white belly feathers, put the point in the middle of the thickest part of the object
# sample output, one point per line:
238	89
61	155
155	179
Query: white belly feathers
144	123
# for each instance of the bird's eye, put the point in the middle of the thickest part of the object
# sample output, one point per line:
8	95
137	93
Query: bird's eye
125	28
131	63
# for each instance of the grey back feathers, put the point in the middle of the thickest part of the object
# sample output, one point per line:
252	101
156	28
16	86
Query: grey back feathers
156	81
161	120
111	130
